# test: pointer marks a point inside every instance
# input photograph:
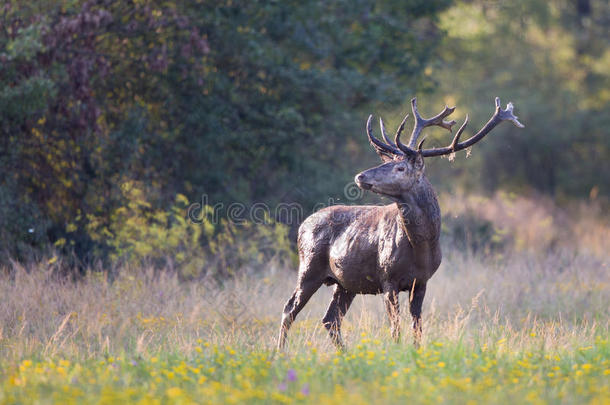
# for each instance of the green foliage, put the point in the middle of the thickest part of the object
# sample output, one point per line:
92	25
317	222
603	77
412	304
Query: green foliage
137	233
23	228
470	233
26	99
265	102
553	61
237	101
25	45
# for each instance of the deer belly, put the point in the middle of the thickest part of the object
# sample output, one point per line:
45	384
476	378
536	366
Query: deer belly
354	268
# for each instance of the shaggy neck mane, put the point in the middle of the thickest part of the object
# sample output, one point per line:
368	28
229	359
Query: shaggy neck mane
419	213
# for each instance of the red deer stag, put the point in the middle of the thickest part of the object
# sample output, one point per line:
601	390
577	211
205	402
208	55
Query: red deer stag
380	249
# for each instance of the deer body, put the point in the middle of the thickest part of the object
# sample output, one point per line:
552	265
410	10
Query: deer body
379	249
363	248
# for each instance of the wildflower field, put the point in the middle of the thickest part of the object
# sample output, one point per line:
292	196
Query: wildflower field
157	158
524	329
372	372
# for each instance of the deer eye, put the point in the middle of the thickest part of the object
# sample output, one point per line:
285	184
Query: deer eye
400	168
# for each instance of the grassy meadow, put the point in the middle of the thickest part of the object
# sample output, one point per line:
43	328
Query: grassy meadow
156	157
523	324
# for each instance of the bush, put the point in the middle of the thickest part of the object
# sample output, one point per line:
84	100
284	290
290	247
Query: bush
139	235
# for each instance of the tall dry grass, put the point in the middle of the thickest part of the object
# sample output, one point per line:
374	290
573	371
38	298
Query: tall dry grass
561	298
558	292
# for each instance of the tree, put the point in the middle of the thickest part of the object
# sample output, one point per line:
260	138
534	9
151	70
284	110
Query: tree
552	60
236	100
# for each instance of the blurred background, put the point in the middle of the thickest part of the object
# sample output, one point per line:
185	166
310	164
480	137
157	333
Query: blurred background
116	116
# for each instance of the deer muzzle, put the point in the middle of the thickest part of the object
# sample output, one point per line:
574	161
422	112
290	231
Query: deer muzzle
361	181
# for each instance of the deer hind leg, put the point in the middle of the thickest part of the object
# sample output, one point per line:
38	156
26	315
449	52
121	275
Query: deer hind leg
303	292
393	309
416	302
342	299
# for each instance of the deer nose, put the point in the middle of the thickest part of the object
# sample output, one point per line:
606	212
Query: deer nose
360	180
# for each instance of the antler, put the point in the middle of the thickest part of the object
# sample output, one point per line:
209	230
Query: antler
499	116
421	123
389	148
384	135
382	149
397	148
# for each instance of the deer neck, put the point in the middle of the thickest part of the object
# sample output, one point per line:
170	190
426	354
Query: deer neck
419	213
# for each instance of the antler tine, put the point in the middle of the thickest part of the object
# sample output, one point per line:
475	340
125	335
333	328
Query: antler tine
421	123
498	116
384	135
456	138
399	144
401	126
421	144
404	148
508	113
380	147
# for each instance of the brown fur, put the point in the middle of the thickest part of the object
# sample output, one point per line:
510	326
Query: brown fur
379	249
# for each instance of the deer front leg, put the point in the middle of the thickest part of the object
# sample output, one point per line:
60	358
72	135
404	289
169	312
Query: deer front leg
392	307
306	287
342	299
416	300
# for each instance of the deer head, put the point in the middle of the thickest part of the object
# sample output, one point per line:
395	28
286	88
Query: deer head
404	164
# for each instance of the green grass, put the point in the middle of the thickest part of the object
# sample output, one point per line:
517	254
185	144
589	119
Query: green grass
370	372
515	329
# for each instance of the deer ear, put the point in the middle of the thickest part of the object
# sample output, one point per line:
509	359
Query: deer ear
385	158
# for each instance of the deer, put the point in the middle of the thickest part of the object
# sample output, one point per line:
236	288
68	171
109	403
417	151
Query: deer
372	249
